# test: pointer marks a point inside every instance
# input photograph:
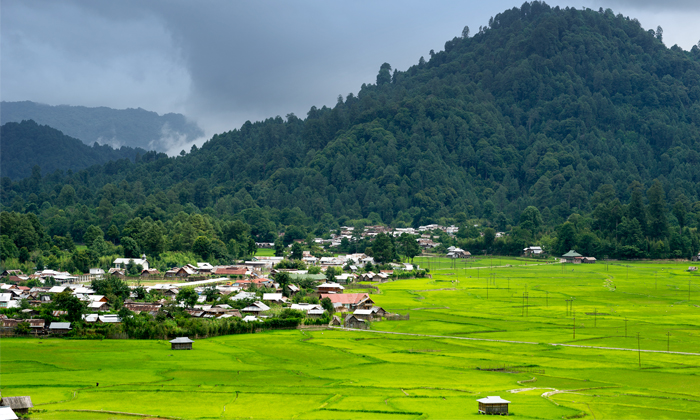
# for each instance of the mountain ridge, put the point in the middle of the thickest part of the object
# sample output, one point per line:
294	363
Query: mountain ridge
132	127
26	144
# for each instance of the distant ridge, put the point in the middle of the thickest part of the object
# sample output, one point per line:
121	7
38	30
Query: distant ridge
115	127
27	144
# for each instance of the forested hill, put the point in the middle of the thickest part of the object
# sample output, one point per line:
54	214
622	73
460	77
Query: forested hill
114	127
27	144
570	111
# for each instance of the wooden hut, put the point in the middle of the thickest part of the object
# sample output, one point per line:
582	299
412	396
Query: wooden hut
351	321
181	343
18	404
336	322
493	405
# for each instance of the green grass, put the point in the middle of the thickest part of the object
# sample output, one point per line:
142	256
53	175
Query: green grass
369	375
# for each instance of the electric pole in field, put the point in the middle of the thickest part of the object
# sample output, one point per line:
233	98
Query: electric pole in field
639	350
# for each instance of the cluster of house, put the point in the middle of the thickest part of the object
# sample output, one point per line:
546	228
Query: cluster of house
348	232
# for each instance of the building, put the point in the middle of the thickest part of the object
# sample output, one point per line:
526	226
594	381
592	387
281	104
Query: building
572	257
351	321
493	405
123	262
588	260
59	327
181	343
533	251
18	404
330	288
349	301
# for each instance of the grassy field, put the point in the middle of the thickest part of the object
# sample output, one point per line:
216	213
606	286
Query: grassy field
477	320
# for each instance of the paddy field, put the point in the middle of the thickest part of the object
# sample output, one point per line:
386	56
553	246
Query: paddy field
601	341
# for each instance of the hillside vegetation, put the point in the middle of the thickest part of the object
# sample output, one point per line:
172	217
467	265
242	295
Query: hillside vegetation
26	144
115	127
573	128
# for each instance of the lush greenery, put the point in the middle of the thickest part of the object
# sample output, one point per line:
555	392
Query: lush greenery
29	148
350	375
136	128
562	127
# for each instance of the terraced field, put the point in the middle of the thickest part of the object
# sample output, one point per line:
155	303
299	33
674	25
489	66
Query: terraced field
465	326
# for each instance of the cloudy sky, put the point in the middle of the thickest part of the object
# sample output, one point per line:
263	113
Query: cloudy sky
224	62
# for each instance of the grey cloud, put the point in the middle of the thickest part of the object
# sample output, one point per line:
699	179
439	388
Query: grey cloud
222	63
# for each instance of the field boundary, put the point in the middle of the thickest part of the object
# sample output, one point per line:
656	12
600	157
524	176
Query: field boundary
492	340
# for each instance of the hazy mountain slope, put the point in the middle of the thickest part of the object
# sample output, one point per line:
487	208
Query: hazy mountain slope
116	127
26	144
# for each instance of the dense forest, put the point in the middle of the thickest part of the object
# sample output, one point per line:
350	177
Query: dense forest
565	127
130	127
27	144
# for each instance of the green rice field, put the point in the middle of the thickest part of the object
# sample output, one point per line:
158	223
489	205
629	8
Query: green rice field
477	328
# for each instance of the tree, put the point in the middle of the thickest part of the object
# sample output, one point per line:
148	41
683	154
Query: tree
202	247
465	32
383	249
113	234
409	246
297	251
566	237
489	237
74	306
23	328
636	208
327	305
131	247
279	248
8	249
283	279
111	286
23	254
384	76
211	294
92	233
658	225
530	219
679	211
330	275
83	260
188	296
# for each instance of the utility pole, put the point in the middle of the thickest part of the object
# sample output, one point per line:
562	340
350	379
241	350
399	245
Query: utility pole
595	317
639	350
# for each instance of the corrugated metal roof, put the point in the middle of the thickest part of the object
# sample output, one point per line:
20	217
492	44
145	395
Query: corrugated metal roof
17	402
493	400
59	326
180	340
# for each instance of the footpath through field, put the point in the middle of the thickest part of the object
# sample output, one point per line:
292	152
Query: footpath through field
518	342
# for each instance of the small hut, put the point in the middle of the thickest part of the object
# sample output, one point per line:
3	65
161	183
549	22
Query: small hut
336	322
181	343
18	404
493	405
